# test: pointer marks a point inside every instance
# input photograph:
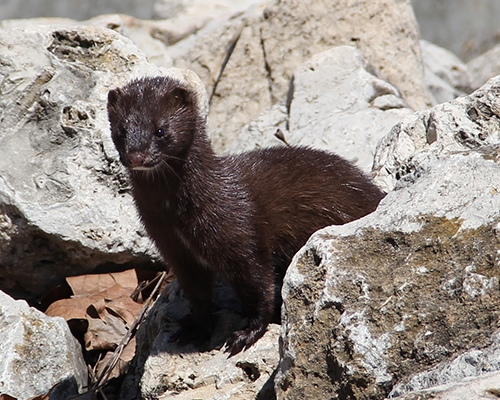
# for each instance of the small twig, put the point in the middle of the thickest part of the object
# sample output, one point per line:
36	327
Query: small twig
103	377
142	286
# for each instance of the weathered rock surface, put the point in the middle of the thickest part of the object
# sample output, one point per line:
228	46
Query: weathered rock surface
164	370
405	298
246	60
36	351
446	76
485	387
411	291
270	43
64	202
329	92
484	66
467	123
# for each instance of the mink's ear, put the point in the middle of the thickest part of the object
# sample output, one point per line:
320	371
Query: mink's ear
181	96
113	96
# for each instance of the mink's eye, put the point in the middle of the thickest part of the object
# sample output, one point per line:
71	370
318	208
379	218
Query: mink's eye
160	133
122	133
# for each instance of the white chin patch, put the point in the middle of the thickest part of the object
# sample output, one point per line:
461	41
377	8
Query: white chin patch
141	168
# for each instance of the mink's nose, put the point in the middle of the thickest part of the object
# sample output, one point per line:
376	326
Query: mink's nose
136	159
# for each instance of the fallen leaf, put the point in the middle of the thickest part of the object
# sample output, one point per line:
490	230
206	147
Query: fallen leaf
96	283
73	308
123	362
104	333
117	298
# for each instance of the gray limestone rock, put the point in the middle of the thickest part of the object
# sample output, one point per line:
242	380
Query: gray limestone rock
270	43
163	370
385	32
406	297
36	351
246	55
336	103
484	67
446	75
467	123
484	387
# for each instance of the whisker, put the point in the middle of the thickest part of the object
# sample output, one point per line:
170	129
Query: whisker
169	167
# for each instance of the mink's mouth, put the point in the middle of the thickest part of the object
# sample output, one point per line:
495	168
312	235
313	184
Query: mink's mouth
141	161
151	166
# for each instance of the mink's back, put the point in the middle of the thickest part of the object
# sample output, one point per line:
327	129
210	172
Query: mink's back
298	190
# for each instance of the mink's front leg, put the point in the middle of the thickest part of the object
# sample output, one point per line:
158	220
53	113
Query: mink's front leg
197	285
256	292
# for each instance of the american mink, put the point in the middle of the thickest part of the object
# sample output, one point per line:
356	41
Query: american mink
241	217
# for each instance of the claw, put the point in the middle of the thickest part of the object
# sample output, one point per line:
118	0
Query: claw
243	340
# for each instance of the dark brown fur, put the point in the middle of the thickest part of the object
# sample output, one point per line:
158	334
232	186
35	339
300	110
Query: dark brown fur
242	217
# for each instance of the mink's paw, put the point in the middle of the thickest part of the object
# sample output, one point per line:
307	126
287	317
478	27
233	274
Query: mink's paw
191	332
242	340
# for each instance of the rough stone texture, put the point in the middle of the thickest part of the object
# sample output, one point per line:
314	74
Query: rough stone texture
64	202
242	92
446	75
339	104
466	123
36	351
145	34
164	370
385	31
405	298
474	362
264	49
336	104
272	42
484	67
485	387
200	10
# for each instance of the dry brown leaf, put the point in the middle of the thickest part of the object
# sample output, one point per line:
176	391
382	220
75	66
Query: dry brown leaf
125	308
117	298
96	283
73	308
123	363
105	333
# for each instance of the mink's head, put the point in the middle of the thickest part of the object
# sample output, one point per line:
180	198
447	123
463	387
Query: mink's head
153	121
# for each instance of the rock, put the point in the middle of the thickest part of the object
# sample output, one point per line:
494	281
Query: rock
406	297
36	351
446	75
464	124
484	387
142	32
246	60
467	28
385	31
164	370
267	49
472	363
484	67
200	10
65	208
336	104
